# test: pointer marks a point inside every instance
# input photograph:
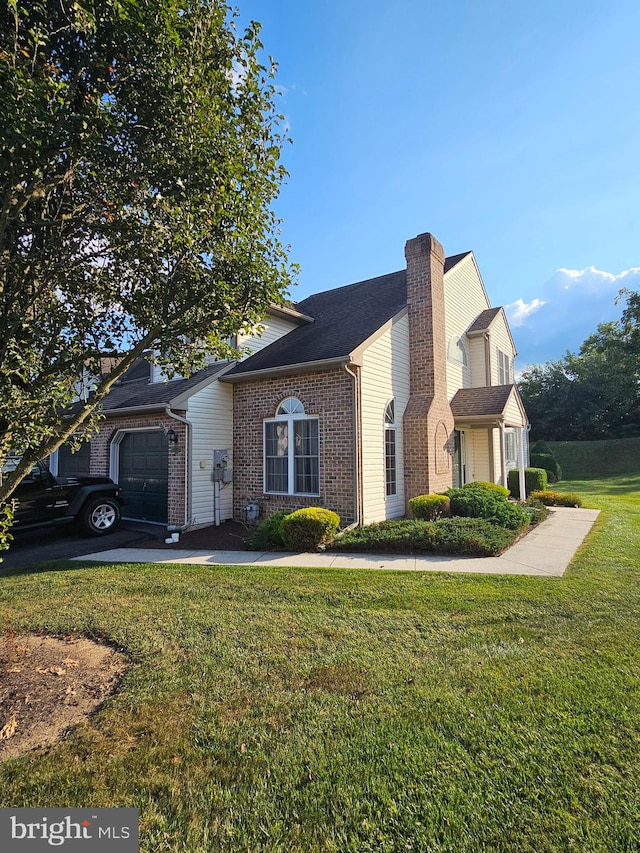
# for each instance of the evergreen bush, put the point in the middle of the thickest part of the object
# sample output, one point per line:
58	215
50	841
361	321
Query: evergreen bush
550	465
549	498
490	487
305	529
535	479
268	535
473	537
488	504
429	507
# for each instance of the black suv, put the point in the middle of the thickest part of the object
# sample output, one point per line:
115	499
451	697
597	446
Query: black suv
94	502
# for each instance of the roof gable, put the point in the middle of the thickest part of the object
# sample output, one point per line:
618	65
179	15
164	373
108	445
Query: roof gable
343	319
135	391
486	402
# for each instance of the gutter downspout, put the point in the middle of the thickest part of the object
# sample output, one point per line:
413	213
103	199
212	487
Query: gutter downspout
503	455
357	504
187	465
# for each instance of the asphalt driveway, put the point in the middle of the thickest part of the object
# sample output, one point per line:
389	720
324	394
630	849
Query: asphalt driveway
32	547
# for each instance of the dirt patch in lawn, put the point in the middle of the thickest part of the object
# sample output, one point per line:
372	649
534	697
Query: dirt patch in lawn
48	685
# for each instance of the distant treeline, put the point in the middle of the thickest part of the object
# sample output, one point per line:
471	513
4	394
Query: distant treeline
595	393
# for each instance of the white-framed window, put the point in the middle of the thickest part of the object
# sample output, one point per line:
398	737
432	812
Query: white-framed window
291	451
390	460
505	368
511	449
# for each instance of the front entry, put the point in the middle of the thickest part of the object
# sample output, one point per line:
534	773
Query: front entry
143	474
459	456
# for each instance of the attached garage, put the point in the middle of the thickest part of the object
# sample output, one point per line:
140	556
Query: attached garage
143	474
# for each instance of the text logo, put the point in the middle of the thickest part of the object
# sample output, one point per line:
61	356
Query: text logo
34	830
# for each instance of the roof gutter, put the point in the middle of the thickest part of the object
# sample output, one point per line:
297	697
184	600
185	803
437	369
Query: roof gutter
284	370
137	410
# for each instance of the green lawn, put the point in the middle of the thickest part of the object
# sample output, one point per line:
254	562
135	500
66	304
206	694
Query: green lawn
306	710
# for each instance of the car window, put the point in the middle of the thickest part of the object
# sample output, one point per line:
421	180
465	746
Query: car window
10	464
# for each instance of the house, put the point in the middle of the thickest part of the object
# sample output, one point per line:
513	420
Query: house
356	399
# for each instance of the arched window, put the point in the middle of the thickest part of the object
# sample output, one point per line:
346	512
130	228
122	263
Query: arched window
291	451
290	406
390	462
458	351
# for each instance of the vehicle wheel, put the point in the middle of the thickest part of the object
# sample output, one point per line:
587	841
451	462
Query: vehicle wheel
100	516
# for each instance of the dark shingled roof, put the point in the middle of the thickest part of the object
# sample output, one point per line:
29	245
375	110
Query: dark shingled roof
134	389
343	318
488	401
483	321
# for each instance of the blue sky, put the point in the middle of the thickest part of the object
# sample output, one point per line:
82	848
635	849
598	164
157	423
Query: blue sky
508	128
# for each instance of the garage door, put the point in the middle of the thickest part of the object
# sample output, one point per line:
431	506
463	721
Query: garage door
74	464
143	475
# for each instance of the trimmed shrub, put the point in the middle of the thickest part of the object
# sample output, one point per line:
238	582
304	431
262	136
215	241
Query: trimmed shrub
429	507
396	536
472	537
536	510
489	487
535	479
268	536
477	537
305	529
541	446
550	465
485	503
549	498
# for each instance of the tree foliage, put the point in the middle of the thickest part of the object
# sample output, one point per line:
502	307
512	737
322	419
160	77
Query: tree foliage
140	158
594	393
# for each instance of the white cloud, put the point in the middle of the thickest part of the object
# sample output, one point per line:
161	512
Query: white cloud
518	311
568	309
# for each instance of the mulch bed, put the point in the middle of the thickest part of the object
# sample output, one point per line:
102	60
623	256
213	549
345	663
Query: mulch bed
228	536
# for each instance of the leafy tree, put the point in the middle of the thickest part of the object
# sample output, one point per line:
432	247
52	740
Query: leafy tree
594	393
140	157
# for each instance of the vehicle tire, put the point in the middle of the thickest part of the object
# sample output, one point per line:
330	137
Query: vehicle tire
100	516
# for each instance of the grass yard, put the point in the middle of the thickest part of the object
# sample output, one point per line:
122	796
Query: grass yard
305	710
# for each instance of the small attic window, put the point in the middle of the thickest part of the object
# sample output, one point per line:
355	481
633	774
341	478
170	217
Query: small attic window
458	351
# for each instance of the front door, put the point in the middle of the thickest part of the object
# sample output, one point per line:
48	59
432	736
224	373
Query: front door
143	474
459	456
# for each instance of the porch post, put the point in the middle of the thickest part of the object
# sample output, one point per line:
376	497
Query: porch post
523	482
503	456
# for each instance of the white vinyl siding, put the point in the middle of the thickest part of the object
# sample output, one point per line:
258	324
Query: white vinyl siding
497	457
500	342
464	299
384	377
211	414
513	413
477	356
273	328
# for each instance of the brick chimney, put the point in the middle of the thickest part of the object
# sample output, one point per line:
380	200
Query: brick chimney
428	420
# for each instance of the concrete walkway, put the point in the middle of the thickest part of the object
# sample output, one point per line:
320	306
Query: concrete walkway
546	551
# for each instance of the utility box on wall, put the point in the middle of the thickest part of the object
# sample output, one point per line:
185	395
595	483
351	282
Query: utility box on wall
220	462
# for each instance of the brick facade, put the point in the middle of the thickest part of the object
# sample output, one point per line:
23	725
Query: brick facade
428	420
328	394
101	448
